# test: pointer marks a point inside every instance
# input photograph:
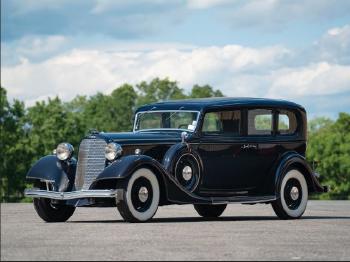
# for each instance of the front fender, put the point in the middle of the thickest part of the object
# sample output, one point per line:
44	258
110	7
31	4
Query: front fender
125	166
61	174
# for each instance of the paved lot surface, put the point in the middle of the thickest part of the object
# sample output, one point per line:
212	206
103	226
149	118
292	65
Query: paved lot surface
176	233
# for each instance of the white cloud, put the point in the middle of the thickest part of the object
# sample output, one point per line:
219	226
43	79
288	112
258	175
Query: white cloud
102	6
138	19
202	4
31	47
36	48
314	79
234	69
334	46
88	71
276	14
22	7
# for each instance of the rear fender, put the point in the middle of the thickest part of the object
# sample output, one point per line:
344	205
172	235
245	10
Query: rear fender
295	160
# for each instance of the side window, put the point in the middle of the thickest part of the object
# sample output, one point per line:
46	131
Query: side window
287	123
260	122
222	123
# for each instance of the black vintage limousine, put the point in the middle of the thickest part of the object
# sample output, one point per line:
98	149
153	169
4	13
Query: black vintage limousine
205	152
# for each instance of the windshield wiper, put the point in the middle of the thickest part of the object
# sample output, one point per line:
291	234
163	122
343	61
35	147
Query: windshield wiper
143	113
173	113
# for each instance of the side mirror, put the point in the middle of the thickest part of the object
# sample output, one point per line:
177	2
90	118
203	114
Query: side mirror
184	136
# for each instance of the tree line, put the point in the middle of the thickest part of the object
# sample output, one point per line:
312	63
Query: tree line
28	133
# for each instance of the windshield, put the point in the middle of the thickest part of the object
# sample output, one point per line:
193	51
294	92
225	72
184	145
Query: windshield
167	120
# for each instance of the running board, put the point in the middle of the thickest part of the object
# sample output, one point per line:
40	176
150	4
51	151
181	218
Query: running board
195	199
242	199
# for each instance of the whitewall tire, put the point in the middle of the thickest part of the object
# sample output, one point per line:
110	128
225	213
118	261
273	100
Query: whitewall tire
293	196
141	198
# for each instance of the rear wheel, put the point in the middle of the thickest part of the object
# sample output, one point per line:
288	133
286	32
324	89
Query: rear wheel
210	211
50	212
293	196
141	198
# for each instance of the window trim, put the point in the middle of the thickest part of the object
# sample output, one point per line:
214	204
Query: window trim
297	120
274	122
137	115
223	135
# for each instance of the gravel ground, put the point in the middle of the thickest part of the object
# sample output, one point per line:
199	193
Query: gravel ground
177	233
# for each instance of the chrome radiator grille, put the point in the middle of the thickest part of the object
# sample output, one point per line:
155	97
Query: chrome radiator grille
91	162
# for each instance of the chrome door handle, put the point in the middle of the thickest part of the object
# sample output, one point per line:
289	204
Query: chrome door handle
248	146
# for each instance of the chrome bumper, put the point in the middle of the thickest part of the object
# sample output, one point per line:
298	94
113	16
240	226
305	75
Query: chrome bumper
36	193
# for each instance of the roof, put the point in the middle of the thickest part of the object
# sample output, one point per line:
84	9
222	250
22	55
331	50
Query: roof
200	104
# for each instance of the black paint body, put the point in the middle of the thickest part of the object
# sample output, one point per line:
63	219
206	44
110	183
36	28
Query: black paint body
229	170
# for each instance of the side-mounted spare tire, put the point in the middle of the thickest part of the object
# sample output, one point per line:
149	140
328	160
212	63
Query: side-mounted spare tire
184	165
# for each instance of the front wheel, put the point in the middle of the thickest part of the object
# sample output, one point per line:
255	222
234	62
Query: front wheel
210	211
293	196
50	212
141	198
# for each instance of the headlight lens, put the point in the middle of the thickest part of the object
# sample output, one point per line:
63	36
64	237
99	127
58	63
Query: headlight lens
113	150
64	151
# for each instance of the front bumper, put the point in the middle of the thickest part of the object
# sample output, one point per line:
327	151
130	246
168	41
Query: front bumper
37	193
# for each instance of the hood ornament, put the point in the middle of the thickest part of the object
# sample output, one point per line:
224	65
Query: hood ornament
93	132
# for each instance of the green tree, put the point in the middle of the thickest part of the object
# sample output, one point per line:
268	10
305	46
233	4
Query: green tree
329	145
124	101
12	149
97	112
158	90
319	123
204	91
51	123
106	112
28	134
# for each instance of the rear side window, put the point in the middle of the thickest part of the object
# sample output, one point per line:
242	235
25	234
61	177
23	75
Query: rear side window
287	123
260	122
222	123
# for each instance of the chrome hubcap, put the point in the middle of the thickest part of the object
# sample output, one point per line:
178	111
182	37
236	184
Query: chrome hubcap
187	173
143	194
294	193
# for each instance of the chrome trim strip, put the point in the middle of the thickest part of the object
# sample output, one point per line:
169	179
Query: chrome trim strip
248	200
36	193
229	200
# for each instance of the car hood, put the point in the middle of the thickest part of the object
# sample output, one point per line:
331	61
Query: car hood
126	138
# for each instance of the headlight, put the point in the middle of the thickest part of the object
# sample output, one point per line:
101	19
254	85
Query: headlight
113	150
64	151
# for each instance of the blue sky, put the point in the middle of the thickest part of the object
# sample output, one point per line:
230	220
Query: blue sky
294	50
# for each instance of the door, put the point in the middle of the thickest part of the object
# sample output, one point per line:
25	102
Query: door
220	148
260	136
236	157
